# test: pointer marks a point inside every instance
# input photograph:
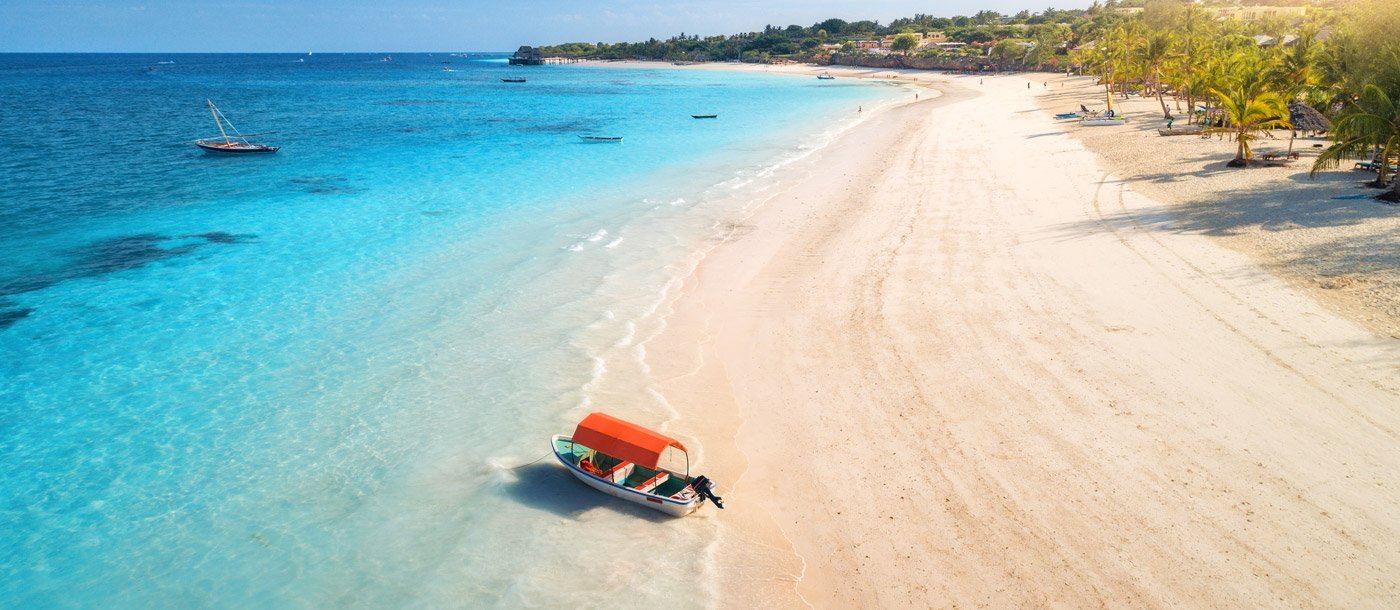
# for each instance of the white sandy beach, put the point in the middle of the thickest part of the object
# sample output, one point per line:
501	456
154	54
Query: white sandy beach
959	361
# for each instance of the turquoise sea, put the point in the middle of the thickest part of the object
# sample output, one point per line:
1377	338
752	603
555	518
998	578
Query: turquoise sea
301	380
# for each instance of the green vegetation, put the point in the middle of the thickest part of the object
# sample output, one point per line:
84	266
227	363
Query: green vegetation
1342	60
1243	67
1049	31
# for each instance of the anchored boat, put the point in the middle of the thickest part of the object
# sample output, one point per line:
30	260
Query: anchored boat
704	116
825	76
236	144
624	460
1100	121
512	80
600	139
1109	118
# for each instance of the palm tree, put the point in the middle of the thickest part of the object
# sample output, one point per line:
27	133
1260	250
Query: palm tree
1249	104
1293	74
1155	52
1375	123
1195	25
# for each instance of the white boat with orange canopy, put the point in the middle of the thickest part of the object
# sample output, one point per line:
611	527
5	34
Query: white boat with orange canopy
624	460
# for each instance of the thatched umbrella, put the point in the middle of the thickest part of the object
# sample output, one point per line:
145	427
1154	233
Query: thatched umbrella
1305	118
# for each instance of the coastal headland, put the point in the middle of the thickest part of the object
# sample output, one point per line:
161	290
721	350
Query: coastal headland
969	357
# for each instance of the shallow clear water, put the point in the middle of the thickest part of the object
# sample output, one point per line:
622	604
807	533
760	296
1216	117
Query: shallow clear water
297	380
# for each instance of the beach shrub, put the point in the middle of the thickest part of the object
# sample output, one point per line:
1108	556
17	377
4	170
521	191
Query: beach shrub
1008	50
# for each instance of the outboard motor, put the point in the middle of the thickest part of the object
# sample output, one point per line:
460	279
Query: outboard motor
702	486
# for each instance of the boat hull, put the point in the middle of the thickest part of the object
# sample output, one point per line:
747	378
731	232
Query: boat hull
234	152
675	508
1103	122
600	139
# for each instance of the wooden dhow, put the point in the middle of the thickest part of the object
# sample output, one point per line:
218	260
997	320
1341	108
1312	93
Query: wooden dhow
236	144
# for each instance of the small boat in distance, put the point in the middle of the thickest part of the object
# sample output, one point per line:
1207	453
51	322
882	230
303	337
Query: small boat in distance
512	80
600	139
624	460
1100	121
236	144
1109	118
704	116
825	76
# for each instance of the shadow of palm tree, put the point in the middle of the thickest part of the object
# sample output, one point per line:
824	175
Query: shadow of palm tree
1275	210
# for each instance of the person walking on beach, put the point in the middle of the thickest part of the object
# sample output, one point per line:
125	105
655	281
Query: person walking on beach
1170	120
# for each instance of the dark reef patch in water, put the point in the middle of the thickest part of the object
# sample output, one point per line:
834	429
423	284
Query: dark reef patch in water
105	257
220	237
325	185
557	128
333	189
411	103
317	179
8	318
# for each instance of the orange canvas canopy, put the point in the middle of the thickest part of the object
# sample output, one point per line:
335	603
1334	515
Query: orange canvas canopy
623	440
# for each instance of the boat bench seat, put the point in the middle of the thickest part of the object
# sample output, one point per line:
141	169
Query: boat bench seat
619	473
654	482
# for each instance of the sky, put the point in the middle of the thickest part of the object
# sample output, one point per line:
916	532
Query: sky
212	26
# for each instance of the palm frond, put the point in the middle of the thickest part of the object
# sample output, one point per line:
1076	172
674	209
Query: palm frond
1333	155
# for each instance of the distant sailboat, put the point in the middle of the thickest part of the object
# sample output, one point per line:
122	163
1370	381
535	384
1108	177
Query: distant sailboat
236	144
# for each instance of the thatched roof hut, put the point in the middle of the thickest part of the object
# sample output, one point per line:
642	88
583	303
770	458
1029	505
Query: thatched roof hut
1305	118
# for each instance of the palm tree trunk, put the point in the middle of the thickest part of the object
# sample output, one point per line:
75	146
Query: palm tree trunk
1385	152
1239	160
